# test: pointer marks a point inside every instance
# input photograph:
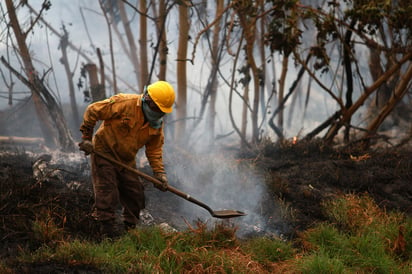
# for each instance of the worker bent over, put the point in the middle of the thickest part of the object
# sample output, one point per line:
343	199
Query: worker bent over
130	121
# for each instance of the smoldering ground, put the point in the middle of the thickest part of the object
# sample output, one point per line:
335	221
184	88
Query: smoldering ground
223	182
281	188
217	180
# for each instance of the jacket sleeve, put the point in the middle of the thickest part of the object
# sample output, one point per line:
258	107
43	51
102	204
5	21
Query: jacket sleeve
101	110
154	153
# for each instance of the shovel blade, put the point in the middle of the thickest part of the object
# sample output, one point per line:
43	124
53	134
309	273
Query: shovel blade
224	214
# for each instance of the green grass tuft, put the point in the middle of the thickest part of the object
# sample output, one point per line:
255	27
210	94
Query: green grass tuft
267	250
363	238
320	262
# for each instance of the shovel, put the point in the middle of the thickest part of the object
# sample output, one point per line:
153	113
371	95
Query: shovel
222	214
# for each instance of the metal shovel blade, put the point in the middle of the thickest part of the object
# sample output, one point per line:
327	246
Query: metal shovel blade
224	214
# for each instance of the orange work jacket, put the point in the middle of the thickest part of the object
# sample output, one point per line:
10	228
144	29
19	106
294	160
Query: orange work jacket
124	130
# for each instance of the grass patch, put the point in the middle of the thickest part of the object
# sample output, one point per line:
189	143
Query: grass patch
361	237
358	238
152	250
319	263
268	250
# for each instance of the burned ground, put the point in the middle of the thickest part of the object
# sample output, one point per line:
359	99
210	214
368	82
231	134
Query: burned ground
308	174
299	178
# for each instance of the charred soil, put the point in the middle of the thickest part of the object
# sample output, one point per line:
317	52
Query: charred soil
306	175
300	176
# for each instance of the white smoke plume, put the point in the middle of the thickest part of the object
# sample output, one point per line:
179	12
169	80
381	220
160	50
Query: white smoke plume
223	182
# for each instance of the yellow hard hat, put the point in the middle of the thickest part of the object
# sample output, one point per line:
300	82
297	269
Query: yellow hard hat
163	95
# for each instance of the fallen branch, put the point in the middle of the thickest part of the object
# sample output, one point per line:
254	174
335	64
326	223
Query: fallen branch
21	140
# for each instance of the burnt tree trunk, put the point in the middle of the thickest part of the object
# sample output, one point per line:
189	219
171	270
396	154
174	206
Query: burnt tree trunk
51	117
96	90
102	75
349	77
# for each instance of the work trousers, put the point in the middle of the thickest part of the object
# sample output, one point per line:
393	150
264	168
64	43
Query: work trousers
114	186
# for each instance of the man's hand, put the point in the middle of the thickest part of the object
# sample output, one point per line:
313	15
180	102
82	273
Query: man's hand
86	146
163	179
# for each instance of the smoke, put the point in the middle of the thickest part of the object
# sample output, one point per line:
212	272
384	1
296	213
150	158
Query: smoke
223	182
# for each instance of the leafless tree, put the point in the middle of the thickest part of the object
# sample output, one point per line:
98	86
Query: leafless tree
51	118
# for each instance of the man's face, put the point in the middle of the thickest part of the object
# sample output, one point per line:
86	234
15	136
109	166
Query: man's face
151	103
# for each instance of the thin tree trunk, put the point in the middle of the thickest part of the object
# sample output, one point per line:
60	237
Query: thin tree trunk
249	28
243	127
244	142
261	40
69	75
102	75
9	84
349	77
109	29
143	45
181	72
281	94
215	60
163	49
130	39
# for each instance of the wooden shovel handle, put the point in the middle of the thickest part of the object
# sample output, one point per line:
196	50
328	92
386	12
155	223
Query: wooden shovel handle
129	168
154	181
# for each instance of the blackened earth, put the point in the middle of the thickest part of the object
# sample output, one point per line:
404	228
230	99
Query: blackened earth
33	188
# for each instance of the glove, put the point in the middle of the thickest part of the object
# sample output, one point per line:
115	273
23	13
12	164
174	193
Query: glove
86	146
163	179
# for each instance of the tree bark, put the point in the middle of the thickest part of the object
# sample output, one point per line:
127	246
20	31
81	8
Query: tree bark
102	75
243	126
163	49
96	90
244	144
281	94
181	72
143	45
347	54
